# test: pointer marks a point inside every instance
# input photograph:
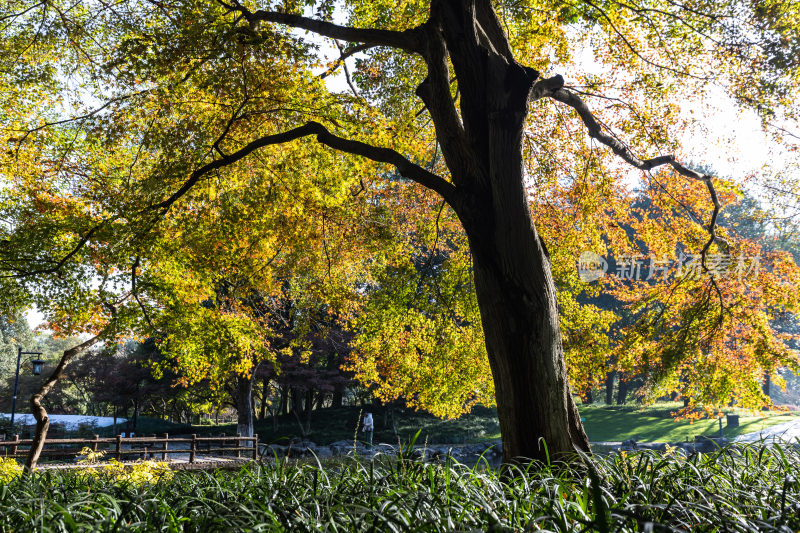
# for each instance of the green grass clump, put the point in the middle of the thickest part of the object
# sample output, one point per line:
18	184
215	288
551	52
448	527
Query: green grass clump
750	489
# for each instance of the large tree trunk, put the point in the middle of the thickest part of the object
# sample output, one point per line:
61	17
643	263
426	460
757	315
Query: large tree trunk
610	387
523	340
39	412
338	395
244	405
516	293
513	282
264	399
622	391
284	404
297	400
309	403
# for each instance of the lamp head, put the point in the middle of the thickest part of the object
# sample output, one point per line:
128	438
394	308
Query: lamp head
38	364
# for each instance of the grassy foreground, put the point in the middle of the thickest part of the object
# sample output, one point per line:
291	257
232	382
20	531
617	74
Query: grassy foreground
755	490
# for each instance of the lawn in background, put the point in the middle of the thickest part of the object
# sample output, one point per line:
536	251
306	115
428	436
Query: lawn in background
656	424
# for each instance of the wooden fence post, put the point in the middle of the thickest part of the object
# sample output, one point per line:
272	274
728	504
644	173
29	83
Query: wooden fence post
255	446
164	448
193	449
119	448
94	443
14	448
238	445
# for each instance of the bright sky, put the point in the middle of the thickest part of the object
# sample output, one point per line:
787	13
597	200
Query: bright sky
731	140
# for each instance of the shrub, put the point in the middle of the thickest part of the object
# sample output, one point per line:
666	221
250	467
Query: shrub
138	473
9	470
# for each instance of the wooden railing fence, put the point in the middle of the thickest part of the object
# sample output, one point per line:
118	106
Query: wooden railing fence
119	447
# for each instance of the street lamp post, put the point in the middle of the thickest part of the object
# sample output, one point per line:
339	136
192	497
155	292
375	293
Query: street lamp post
37	370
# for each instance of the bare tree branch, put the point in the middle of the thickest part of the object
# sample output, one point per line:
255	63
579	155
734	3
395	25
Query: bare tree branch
344	55
408	40
633	49
109	102
18	14
344	66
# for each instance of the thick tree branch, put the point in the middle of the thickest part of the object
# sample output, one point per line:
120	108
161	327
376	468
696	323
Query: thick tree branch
490	24
408	40
434	91
406	168
617	146
545	87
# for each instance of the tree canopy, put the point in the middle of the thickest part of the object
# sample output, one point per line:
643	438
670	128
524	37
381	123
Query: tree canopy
156	151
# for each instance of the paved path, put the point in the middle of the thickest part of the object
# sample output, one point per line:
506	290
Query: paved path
785	431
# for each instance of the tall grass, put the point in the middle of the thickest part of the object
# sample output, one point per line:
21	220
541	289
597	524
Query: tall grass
752	489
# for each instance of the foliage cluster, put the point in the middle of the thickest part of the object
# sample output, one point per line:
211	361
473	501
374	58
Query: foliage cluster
9	470
138	473
751	489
